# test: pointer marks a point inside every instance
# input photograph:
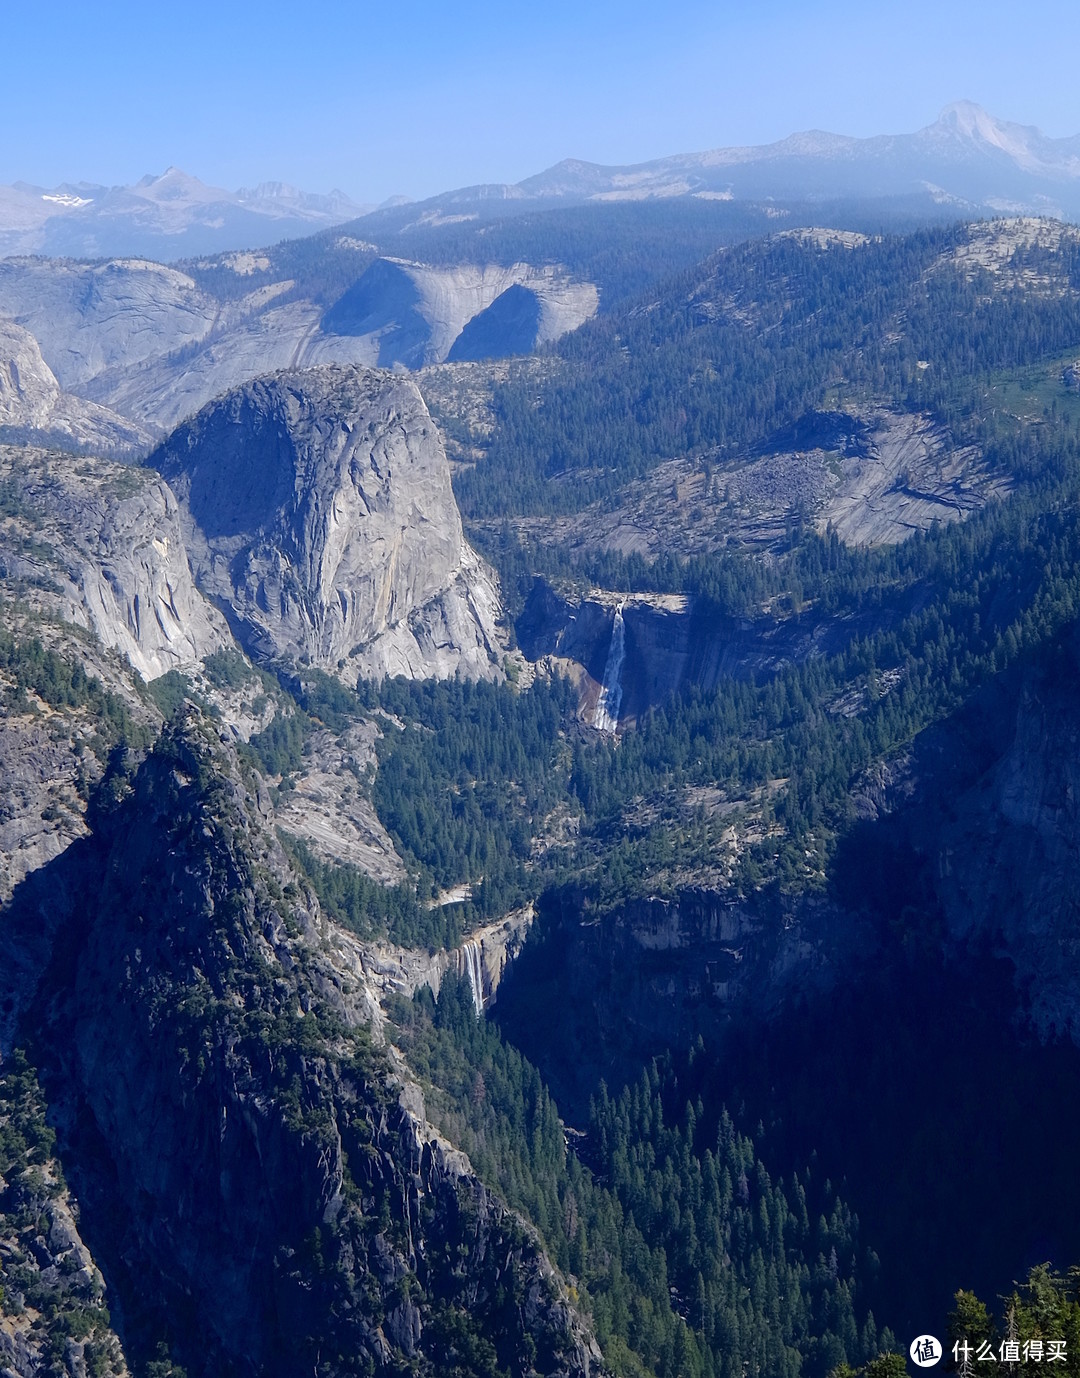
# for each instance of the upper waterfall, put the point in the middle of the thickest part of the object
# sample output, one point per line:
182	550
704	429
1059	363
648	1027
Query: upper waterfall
606	718
472	960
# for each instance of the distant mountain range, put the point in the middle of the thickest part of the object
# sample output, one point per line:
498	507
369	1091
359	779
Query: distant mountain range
966	156
166	217
967	159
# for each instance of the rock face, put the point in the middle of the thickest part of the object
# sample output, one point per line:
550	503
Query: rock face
253	1177
332	814
670	642
107	539
874	477
33	407
620	988
148	342
320	513
482	960
976	824
415	314
255	338
1006	857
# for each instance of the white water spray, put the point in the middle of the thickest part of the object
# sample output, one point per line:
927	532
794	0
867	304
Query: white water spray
472	961
606	718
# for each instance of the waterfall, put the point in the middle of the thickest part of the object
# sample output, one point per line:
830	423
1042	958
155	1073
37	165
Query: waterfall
472	961
606	718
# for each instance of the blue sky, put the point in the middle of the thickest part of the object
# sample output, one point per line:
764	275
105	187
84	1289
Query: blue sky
380	99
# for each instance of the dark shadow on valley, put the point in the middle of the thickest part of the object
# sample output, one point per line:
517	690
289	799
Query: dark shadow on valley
907	1073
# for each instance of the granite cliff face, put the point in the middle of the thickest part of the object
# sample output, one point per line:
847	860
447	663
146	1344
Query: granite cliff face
320	514
985	808
963	860
150	343
670	642
598	995
33	407
414	314
251	1168
105	541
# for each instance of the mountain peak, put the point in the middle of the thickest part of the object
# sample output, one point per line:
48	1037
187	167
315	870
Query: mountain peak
968	125
970	121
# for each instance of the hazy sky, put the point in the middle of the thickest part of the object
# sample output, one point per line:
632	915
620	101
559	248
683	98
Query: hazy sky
385	98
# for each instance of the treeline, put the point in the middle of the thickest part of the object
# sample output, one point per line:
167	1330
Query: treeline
691	1260
732	350
623	249
372	910
1037	1329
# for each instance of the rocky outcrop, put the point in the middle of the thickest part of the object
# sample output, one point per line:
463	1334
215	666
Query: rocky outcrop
911	475
33	407
44	772
106	538
416	314
872	476
328	807
255	1180
320	515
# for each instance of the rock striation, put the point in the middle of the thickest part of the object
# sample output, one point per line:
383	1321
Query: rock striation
320	516
329	809
106	540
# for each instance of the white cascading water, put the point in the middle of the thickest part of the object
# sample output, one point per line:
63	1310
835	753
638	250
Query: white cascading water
472	961
606	718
